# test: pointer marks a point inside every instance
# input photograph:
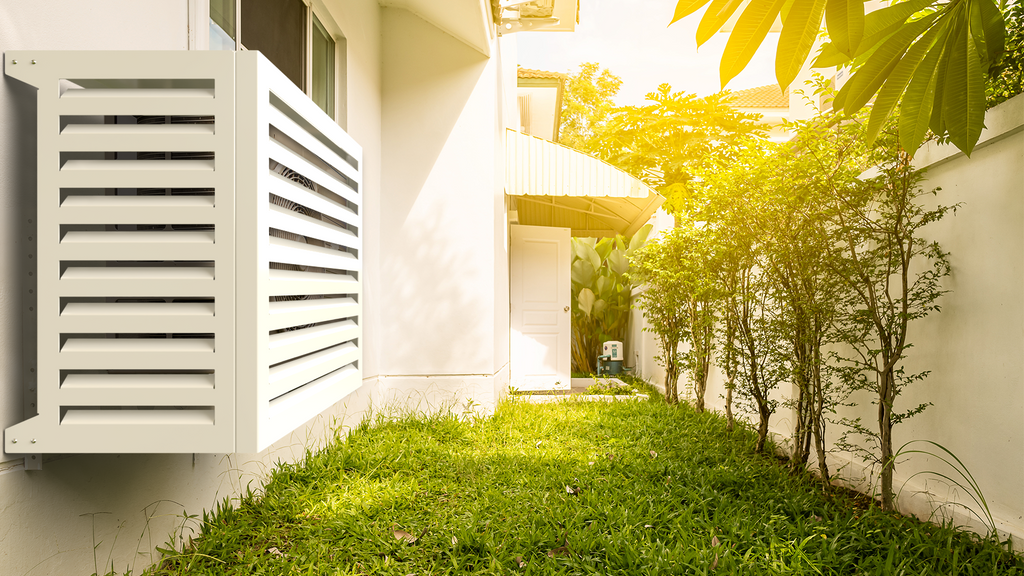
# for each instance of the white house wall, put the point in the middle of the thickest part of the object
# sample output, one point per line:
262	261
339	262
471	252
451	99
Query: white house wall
443	288
135	501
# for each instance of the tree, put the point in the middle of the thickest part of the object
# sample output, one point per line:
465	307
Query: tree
754	346
673	140
664	308
586	105
932	54
894	275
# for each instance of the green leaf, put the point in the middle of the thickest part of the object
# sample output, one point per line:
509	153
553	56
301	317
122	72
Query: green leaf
587	252
603	247
829	56
586	301
936	123
963	101
845	22
618	262
869	77
686	7
798	33
717	15
898	79
989	31
916	111
582	272
881	23
638	239
600	306
746	37
604	286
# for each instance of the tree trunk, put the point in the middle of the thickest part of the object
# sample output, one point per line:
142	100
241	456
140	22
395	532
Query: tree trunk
885	402
819	419
762	430
728	405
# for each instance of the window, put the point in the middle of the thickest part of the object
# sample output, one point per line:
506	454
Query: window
222	25
322	58
300	42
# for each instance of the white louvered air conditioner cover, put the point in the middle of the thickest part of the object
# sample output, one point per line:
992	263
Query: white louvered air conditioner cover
199	244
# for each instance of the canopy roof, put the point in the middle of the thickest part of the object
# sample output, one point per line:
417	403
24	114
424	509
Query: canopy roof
553	185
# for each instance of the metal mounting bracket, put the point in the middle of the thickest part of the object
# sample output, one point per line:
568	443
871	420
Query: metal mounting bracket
33	461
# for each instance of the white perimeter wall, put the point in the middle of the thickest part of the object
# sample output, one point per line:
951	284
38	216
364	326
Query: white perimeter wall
138	500
974	347
443	260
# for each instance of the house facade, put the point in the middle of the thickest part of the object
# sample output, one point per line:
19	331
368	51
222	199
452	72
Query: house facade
421	94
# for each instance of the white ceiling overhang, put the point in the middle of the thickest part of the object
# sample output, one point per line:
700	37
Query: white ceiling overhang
468	20
554	185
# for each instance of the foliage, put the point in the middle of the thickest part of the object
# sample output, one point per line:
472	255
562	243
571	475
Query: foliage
664	305
894	275
586	105
1008	74
601	294
669	143
567	488
931	54
685	258
752	336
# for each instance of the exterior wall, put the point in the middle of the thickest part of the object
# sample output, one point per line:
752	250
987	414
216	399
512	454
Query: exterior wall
543	107
445	325
134	502
974	348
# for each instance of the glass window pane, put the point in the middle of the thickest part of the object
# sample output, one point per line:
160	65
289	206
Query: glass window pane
277	29
323	68
222	24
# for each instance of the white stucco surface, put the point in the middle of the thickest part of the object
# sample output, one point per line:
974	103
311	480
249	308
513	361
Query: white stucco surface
442	206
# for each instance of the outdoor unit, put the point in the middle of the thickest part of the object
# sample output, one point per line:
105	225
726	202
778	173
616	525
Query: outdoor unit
198	254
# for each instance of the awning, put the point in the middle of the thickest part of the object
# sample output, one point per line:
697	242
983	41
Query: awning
553	185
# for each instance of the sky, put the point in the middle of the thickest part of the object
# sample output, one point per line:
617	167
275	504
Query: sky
632	39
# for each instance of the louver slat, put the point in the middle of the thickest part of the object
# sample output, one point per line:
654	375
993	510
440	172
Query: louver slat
285	345
291	252
299	164
131	317
286	282
281	186
301	312
290	375
299	224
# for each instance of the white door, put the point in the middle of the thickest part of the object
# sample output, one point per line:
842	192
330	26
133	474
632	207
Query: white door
540	295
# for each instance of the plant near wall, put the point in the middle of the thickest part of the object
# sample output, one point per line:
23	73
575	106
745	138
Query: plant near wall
687	257
602	290
752	337
806	277
895	278
664	308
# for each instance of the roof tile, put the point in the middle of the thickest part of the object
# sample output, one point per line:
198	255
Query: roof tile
528	73
769	96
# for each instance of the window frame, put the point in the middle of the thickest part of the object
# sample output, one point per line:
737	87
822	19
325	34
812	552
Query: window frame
313	8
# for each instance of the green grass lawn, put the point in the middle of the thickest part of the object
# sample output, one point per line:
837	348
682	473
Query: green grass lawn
623	487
